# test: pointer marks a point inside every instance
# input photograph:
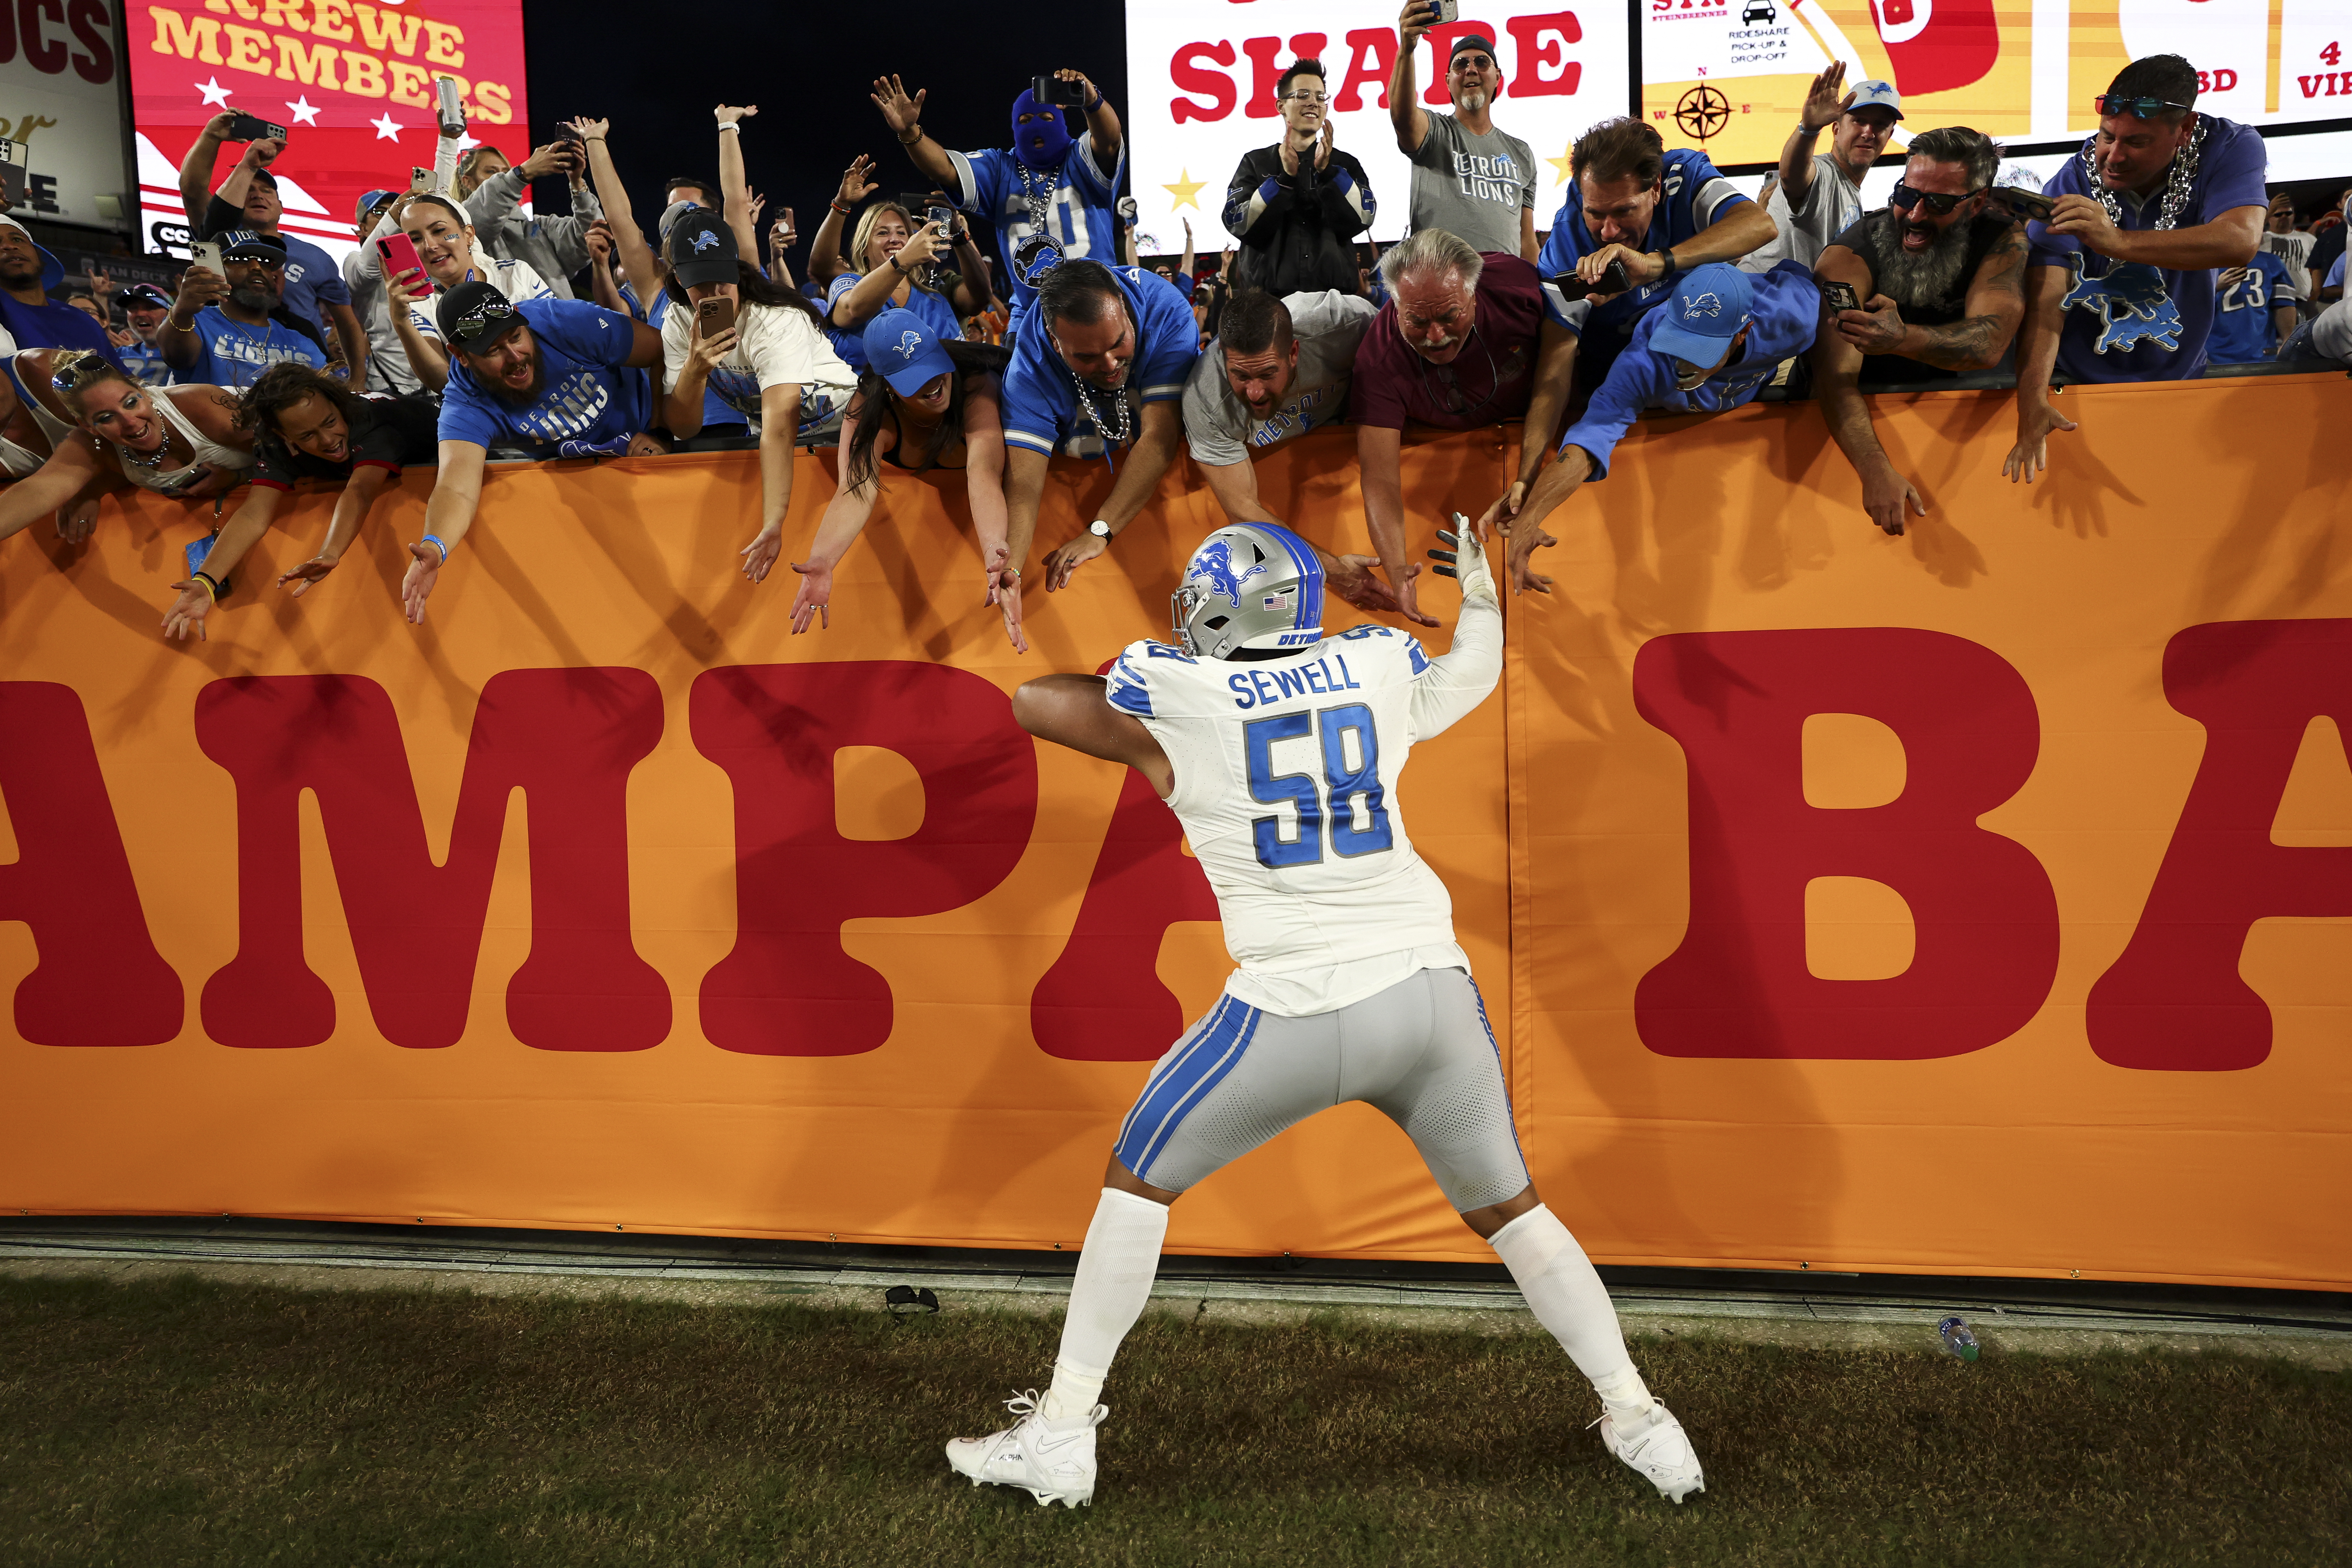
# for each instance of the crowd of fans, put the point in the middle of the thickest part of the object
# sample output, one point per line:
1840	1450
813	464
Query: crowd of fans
464	327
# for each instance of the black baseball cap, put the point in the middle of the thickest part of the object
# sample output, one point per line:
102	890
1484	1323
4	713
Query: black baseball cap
701	250
1472	41
475	316
143	297
250	245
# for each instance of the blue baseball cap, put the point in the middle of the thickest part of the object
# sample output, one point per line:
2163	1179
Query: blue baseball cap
906	351
53	271
1710	304
368	203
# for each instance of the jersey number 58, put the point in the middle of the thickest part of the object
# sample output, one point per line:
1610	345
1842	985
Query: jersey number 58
1343	781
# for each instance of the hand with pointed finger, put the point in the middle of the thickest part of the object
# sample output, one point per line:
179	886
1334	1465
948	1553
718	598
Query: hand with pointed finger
813	602
1499	515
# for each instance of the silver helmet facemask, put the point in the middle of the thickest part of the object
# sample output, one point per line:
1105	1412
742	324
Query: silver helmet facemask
1249	586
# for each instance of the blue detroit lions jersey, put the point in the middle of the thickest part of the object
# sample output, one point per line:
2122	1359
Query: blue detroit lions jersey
1042	400
1695	197
589	393
1080	202
2244	330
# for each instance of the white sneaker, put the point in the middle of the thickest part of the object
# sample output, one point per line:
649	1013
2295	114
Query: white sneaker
1052	1467
1657	1447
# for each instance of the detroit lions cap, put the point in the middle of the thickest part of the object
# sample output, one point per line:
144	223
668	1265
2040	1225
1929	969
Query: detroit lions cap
1710	304
1881	93
701	248
368	202
250	245
904	351
671	214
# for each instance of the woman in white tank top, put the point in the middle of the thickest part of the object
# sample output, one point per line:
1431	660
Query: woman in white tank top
180	441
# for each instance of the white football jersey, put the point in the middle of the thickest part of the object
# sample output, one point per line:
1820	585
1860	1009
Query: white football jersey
1285	782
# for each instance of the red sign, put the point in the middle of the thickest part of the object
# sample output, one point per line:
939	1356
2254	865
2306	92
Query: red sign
352	82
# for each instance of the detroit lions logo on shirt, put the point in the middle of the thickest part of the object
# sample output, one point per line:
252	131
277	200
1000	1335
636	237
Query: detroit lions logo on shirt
1214	565
2131	304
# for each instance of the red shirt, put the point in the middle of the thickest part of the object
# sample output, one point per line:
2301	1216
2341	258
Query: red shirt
1490	380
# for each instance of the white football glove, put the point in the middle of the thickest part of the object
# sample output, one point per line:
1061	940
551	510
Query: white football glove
1465	562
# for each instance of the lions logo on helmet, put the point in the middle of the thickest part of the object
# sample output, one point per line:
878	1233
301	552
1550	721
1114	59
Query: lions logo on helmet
1283	610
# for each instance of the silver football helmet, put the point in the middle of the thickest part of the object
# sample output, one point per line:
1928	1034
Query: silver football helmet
1249	586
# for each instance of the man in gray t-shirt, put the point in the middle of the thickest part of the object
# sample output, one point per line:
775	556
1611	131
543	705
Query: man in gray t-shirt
1819	194
1279	367
1468	178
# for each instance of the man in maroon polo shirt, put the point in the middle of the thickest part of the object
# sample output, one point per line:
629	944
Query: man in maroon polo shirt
1465	340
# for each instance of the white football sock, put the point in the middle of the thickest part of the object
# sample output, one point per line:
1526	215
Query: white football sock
1116	1264
1569	1298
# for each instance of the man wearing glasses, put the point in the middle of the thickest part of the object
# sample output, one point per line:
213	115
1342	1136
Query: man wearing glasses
1297	205
222	329
2120	284
555	376
1465	340
1940	277
1468	178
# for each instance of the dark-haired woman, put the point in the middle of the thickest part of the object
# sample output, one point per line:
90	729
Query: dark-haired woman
178	441
774	364
921	405
307	424
444	239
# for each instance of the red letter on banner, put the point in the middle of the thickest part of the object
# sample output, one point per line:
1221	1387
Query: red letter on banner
789	989
567	738
1372	58
99	981
1987	921
1103	1000
1534	38
1187	74
2175	1000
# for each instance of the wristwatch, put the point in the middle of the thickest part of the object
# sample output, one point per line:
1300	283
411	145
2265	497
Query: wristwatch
1666	262
1101	529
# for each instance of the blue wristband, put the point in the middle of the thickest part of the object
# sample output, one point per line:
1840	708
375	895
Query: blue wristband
436	544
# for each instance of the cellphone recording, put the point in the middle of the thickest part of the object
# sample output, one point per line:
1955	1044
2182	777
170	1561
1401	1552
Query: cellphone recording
1615	279
253	128
398	253
2031	205
1442	10
1837	296
714	317
1053	91
208	255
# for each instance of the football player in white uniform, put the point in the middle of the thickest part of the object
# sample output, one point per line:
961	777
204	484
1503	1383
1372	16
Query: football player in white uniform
1279	749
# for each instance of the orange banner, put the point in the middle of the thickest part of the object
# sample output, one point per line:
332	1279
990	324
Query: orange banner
1971	901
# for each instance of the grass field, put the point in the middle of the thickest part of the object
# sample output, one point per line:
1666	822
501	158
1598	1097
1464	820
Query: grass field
191	1422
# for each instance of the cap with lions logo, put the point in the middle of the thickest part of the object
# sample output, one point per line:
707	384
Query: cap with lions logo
701	248
1710	304
905	352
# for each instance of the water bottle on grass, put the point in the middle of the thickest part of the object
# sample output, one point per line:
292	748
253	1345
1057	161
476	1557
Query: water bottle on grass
1957	1338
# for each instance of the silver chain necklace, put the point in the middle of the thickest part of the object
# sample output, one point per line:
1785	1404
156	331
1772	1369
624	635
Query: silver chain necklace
1125	422
2175	187
1039	203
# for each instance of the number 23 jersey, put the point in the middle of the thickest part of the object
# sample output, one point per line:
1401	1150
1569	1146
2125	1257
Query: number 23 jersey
1285	782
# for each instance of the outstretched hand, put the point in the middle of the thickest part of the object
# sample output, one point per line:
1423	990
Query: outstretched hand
1004	592
900	111
813	602
2029	456
1465	562
425	565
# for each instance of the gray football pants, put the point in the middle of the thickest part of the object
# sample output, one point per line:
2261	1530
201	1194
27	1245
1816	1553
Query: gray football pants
1421	1052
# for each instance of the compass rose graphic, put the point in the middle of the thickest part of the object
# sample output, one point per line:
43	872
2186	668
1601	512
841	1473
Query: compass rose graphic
1702	111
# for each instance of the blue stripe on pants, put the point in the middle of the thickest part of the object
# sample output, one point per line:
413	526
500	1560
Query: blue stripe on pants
1207	1081
1163	1103
1169	1065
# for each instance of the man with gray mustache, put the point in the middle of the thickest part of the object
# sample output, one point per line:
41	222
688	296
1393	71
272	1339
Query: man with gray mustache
1939	274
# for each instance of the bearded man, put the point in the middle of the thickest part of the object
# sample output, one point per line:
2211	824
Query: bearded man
1941	276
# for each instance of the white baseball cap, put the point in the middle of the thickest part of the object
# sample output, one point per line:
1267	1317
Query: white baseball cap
1881	93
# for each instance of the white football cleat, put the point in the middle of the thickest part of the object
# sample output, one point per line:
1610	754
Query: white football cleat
1659	1449
1052	1467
